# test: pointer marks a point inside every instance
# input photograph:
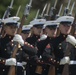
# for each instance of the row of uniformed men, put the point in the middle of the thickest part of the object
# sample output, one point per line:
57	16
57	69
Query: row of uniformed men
39	46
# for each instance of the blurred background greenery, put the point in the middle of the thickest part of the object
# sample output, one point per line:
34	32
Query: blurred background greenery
36	4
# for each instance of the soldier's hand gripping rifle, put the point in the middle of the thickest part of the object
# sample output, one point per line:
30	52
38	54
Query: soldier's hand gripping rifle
66	10
7	12
12	70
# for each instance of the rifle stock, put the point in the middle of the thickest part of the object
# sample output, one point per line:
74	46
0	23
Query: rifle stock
67	53
51	70
12	70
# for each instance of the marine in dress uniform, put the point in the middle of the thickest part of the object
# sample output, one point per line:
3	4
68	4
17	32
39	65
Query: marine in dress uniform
6	45
46	49
36	31
26	31
59	43
72	63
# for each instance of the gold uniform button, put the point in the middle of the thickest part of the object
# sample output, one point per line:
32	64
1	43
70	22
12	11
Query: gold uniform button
57	68
15	45
5	49
59	47
3	69
63	35
54	60
59	43
30	65
11	40
28	44
3	61
51	59
12	44
21	49
19	46
58	62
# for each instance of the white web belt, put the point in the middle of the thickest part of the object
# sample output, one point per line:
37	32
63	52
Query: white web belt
72	62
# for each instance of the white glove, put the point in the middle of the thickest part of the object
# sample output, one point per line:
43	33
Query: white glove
65	60
43	37
10	61
18	38
71	39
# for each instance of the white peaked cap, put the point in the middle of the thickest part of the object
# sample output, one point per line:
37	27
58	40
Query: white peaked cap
65	19
11	20
51	23
26	27
38	21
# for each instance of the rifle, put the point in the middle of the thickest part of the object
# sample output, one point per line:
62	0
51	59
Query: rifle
25	15
18	10
6	15
7	12
73	30
67	53
66	10
12	70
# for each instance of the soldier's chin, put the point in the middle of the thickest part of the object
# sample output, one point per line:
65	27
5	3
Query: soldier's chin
13	34
66	33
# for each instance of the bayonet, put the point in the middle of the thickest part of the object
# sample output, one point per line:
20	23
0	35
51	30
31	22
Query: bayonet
48	7
70	14
30	3
55	4
43	10
27	8
37	14
18	10
59	11
66	10
68	4
7	12
11	4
